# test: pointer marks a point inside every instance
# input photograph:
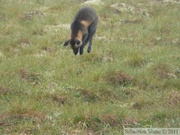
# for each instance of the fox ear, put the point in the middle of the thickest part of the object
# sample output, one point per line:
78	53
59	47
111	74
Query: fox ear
67	42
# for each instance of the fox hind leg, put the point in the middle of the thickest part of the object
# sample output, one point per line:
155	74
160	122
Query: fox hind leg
90	40
91	31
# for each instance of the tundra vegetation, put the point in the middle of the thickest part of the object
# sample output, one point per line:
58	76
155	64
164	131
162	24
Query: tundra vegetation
131	78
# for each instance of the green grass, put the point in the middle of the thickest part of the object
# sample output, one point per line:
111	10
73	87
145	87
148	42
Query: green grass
130	79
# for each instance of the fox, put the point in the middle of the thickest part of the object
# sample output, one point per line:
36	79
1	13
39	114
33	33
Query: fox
83	29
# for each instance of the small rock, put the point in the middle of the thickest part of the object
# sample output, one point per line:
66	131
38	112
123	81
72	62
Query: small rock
93	2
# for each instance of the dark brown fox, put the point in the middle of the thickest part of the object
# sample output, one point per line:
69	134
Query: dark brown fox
83	29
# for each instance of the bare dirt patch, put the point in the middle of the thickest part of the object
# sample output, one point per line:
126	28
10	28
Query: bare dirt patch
4	90
61	100
118	78
111	119
172	100
164	71
33	78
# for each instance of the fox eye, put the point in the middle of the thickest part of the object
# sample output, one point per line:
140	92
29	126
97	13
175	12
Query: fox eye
78	42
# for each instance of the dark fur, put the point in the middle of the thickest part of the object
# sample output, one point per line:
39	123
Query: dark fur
88	15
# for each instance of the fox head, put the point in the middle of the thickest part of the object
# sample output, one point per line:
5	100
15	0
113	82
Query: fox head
75	44
78	30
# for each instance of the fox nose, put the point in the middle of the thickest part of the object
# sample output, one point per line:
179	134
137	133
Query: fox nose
75	51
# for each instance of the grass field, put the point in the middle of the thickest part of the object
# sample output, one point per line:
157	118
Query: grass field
130	79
